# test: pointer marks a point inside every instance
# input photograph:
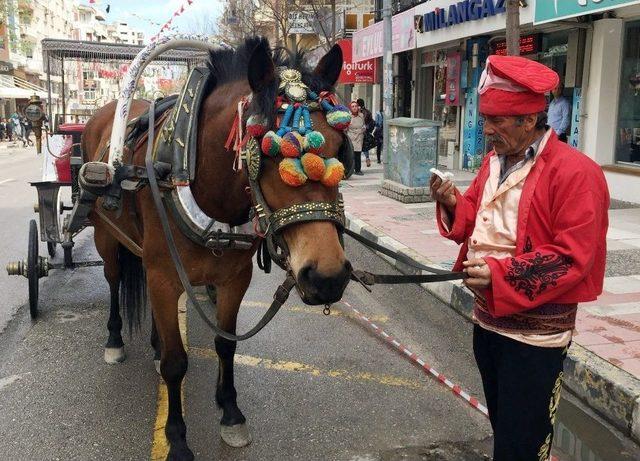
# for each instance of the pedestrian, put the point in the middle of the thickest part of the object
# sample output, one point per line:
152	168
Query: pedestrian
533	226
355	132
3	129
27	128
368	141
9	127
378	134
560	113
17	127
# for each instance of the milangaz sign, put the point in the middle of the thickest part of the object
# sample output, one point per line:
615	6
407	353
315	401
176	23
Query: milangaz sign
461	12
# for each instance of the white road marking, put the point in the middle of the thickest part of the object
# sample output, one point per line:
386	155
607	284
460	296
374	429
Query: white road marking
7	180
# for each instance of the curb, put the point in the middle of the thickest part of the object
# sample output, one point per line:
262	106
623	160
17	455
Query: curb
611	392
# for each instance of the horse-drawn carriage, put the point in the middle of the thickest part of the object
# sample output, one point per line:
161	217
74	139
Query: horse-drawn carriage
97	61
185	190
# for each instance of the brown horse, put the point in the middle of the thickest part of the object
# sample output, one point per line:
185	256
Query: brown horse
316	257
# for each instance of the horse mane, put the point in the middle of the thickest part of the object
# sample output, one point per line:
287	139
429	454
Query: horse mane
231	65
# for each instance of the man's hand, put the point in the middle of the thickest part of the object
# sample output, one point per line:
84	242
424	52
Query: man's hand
479	273
443	192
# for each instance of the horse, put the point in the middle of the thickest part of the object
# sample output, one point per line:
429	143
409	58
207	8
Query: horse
315	255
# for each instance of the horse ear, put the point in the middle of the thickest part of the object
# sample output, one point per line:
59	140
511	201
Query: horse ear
330	65
261	71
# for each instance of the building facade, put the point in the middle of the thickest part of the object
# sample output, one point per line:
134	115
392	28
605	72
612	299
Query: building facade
592	45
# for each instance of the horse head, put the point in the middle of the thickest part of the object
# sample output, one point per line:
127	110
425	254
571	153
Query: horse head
298	171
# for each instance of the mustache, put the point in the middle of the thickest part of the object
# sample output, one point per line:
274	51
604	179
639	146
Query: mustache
495	138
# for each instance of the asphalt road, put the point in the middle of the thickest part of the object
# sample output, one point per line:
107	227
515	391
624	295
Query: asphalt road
312	387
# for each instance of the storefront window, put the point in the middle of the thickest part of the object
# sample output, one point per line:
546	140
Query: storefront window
628	139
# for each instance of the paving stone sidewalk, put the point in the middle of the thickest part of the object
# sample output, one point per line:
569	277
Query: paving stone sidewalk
607	338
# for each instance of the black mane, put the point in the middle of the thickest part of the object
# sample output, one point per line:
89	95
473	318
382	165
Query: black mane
231	65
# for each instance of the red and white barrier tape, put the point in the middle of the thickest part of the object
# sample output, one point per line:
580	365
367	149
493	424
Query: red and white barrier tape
457	390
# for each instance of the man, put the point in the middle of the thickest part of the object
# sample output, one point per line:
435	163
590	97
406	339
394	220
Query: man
533	229
560	113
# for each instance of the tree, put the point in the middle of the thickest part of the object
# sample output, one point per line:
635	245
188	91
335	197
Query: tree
513	27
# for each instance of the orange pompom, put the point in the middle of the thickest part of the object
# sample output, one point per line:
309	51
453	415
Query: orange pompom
291	172
313	166
292	145
334	172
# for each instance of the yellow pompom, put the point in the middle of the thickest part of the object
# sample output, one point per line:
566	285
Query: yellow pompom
313	166
334	172
291	172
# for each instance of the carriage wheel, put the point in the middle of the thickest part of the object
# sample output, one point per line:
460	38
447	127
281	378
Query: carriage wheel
33	268
51	248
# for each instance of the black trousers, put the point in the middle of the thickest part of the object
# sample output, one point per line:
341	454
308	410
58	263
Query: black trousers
357	156
379	151
522	385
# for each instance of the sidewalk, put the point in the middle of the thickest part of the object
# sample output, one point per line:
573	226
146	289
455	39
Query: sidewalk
603	366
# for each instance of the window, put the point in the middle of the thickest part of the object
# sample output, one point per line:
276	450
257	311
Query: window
90	95
628	139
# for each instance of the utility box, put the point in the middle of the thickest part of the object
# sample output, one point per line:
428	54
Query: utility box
412	152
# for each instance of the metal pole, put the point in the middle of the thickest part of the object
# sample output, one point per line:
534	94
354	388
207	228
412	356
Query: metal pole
387	81
64	105
50	101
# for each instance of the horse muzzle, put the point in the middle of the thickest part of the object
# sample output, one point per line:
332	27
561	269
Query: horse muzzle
315	287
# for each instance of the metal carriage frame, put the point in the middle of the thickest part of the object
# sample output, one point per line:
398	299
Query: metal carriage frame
56	227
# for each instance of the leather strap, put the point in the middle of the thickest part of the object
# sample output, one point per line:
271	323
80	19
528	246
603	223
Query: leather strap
367	278
281	294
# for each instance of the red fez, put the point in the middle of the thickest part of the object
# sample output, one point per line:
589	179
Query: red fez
512	85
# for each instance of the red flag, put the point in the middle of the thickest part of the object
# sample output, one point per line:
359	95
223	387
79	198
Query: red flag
92	1
182	9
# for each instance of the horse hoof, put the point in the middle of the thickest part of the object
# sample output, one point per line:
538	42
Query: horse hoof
236	436
114	354
157	364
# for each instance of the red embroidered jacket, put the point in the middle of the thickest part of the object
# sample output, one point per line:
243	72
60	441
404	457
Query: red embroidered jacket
561	234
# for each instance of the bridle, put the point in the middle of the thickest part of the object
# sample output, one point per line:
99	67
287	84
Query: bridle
269	224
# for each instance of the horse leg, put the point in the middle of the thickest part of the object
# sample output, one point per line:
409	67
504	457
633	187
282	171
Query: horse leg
233	428
108	249
155	344
173	361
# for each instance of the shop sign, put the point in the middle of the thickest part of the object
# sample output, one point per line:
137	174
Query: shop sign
574	137
529	44
5	67
299	22
355	72
445	21
459	12
453	79
368	43
553	10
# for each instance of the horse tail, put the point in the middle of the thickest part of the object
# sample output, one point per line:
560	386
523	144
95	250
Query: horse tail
133	287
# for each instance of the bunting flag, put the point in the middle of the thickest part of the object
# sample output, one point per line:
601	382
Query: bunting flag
167	25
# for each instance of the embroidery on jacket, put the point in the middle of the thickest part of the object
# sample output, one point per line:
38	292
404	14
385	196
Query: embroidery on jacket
528	246
534	275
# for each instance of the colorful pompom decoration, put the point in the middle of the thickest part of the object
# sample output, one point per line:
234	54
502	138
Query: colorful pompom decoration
291	172
313	166
256	126
314	140
333	173
292	145
271	144
339	118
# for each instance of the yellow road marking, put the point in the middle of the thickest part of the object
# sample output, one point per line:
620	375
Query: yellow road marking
160	445
283	365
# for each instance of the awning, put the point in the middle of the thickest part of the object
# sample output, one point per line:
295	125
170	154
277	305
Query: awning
8	92
12	87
